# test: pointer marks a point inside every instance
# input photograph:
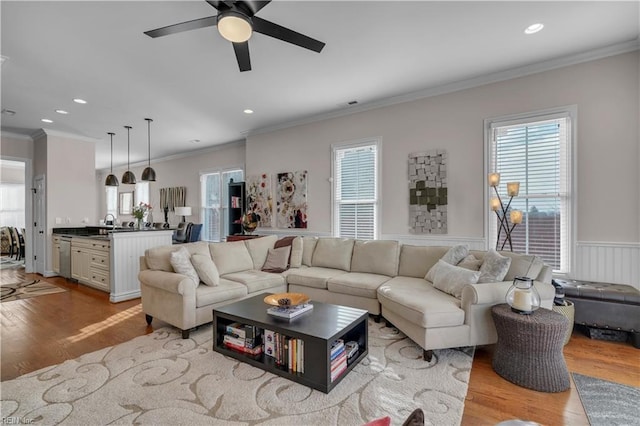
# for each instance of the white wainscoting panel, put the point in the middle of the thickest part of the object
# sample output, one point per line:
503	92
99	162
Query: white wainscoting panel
281	232
126	249
617	263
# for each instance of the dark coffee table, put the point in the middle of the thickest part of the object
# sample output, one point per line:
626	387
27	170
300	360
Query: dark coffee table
318	328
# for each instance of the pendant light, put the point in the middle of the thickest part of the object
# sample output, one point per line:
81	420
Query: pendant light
128	177
111	180
148	173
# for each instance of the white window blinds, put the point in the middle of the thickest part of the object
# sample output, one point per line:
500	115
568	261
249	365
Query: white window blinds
355	191
536	154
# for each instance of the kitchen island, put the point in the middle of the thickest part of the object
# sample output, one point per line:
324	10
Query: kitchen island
105	258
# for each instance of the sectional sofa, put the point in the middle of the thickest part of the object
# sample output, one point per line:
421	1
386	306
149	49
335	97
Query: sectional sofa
430	293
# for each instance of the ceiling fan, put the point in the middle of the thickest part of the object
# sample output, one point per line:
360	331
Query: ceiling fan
236	22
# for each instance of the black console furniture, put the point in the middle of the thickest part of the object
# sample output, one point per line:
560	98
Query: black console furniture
605	306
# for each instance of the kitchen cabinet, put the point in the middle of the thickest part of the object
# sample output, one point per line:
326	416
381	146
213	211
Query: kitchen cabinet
55	259
90	262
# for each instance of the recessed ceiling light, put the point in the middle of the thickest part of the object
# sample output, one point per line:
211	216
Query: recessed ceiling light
46	120
534	28
8	112
195	141
61	111
248	111
79	101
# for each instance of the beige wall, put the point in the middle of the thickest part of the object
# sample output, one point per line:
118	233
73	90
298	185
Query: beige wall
606	95
183	171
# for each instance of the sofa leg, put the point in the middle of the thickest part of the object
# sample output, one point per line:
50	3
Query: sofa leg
427	355
149	318
185	334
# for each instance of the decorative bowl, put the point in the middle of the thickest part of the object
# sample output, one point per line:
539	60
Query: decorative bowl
286	299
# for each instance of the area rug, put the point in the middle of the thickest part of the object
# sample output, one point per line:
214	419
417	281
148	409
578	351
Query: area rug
23	290
608	403
7	262
162	379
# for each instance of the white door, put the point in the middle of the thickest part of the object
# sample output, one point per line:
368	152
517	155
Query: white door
39	225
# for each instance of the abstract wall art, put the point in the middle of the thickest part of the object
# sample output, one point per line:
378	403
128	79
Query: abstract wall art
259	198
291	199
428	193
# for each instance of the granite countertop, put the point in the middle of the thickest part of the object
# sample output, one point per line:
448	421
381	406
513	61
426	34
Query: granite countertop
99	232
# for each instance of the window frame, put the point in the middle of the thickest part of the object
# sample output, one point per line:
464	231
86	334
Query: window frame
570	112
372	141
223	208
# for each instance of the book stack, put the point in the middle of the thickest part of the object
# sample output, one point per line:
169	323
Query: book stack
288	352
338	359
235	202
243	338
290	311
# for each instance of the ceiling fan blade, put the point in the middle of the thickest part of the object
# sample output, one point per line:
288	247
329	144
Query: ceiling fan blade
242	55
285	34
210	21
254	5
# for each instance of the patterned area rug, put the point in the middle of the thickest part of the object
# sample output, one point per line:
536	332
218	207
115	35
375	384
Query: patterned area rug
23	290
162	379
607	403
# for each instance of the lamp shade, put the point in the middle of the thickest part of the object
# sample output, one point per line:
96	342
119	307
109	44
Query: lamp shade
494	179
111	180
513	188
183	211
495	204
515	216
128	177
148	174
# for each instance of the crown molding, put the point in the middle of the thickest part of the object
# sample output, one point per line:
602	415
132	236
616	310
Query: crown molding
48	132
565	61
21	136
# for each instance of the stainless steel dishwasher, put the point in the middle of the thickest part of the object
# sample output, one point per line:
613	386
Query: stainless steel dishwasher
65	257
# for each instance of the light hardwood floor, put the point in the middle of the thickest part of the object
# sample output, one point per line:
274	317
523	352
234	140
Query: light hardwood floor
48	330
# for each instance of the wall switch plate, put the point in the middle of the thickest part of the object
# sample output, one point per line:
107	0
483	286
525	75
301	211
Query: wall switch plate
58	220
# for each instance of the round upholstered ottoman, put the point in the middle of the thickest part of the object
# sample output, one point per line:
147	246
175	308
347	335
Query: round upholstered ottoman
529	348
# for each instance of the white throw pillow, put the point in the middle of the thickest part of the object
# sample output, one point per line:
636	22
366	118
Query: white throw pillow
453	256
181	263
296	253
470	262
277	259
494	268
206	269
452	279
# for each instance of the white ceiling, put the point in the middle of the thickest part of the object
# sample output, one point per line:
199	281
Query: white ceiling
189	83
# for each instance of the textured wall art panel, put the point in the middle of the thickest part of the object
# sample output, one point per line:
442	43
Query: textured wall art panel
259	198
291	198
428	192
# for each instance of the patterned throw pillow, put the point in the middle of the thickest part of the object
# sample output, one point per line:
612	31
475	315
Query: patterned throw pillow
205	268
452	279
452	257
470	262
494	268
181	263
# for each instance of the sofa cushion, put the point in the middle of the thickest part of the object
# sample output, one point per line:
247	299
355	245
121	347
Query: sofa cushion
206	269
333	253
313	276
415	261
226	291
256	281
452	279
453	256
295	260
259	248
277	259
157	258
231	257
360	284
494	267
181	262
470	262
376	257
308	247
420	303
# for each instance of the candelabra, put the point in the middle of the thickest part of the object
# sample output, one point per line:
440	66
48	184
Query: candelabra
515	216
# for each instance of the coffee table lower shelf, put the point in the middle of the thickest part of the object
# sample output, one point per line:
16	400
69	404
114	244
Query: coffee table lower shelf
318	329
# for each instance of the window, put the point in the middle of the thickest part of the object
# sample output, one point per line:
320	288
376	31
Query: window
12	204
213	189
112	200
536	151
355	190
142	193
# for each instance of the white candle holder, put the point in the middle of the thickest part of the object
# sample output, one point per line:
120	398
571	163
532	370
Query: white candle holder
522	296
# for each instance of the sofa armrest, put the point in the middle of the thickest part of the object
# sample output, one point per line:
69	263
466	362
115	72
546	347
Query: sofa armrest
494	293
168	281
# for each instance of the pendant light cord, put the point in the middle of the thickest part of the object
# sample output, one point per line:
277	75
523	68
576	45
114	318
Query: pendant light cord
149	141
128	146
111	134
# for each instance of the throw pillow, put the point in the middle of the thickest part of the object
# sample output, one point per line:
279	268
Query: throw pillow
494	268
470	262
277	259
453	256
452	279
285	242
181	263
295	260
206	269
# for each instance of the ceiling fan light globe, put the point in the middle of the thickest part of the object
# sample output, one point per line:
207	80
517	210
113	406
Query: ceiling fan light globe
235	27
